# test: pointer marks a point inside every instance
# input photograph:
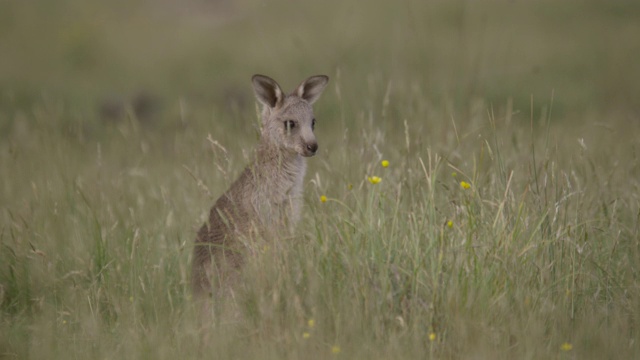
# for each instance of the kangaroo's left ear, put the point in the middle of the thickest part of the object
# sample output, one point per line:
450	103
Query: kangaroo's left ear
267	91
311	88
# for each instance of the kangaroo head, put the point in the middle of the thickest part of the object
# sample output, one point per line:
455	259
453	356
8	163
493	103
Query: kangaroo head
287	120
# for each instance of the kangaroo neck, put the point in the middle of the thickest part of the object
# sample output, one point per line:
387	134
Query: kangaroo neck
268	154
284	168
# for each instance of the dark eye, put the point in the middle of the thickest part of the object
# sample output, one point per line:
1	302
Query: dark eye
289	124
313	124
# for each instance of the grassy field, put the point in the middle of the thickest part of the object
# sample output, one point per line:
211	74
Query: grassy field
506	225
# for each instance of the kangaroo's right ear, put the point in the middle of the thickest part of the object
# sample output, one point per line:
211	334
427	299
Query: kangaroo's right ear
311	88
267	90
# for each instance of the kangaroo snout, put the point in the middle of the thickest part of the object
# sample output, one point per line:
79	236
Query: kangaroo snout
312	148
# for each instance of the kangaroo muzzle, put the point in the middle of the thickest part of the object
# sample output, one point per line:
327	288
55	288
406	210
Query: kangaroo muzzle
312	148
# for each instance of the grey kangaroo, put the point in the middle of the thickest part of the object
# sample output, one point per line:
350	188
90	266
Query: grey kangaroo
266	199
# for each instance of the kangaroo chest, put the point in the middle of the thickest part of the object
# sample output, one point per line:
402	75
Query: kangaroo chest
278	196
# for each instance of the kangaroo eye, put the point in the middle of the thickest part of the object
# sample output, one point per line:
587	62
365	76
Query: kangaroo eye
313	124
289	124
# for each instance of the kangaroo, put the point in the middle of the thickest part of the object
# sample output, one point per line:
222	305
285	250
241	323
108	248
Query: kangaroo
266	198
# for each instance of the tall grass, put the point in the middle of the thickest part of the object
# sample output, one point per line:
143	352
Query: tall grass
537	258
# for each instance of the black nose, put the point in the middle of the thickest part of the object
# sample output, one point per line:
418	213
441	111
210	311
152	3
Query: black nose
312	147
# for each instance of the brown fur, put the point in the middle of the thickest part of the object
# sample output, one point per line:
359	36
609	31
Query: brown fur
265	200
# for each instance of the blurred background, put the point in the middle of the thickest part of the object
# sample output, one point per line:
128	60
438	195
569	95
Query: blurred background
99	60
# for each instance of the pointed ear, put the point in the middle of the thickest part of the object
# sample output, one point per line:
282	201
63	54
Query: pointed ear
311	88
267	90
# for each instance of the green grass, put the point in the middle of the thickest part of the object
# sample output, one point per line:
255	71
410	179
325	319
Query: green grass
533	104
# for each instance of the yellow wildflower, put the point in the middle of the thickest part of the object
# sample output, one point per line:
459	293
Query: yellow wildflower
335	349
323	199
465	185
566	347
454	174
306	335
350	187
311	323
432	336
384	163
374	179
449	224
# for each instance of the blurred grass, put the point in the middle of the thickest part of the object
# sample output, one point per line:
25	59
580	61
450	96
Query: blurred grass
582	50
105	111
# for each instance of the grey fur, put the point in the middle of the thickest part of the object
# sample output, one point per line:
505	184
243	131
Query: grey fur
266	199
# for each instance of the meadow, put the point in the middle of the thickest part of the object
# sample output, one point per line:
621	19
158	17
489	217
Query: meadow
505	224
